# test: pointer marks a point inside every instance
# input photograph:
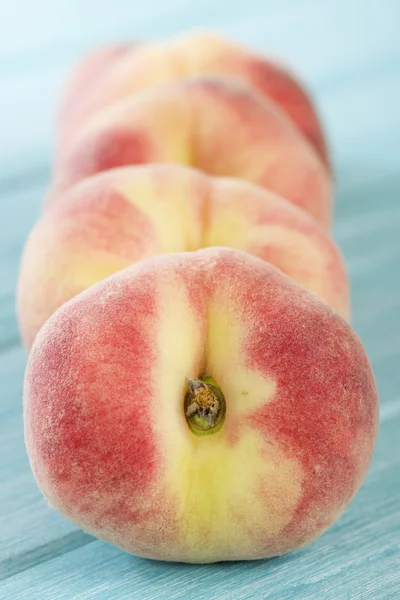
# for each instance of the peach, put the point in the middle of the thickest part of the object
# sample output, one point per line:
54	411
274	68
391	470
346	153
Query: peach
190	55
199	407
213	124
119	217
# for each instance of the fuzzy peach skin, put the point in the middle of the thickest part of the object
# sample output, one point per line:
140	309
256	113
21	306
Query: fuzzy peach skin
213	124
192	54
112	220
105	426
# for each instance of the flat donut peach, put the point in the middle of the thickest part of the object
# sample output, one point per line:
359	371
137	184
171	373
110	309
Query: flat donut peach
212	124
122	216
189	55
199	407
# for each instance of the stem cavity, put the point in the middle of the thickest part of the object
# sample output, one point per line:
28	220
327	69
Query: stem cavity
204	406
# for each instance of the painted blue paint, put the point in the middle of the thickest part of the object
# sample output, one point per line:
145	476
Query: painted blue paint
349	54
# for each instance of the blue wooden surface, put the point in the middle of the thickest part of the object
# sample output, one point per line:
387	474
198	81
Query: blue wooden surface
348	51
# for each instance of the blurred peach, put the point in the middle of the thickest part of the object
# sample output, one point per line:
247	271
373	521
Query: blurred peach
122	216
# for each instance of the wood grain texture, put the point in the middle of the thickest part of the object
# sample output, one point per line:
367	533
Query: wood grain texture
348	52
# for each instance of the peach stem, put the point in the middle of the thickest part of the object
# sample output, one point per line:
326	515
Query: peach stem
204	405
